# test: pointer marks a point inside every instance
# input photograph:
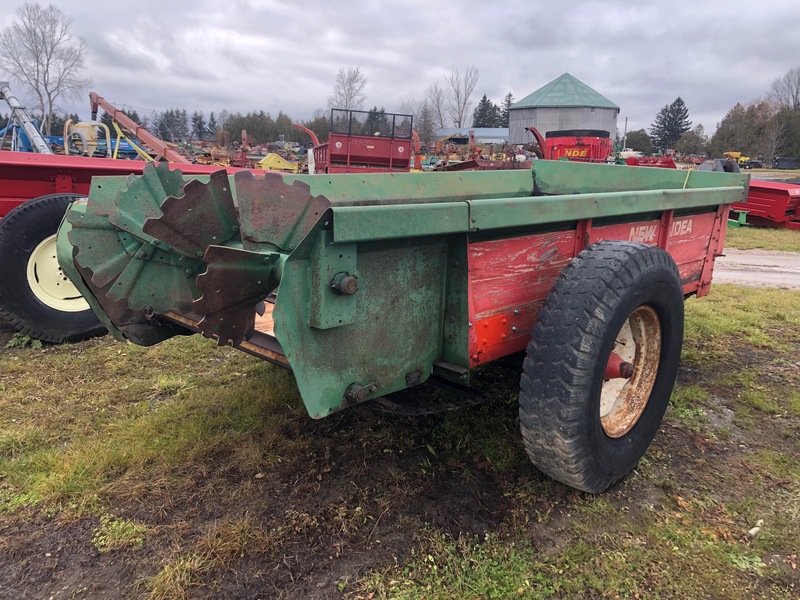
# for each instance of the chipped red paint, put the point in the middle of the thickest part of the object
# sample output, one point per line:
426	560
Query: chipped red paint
509	275
509	279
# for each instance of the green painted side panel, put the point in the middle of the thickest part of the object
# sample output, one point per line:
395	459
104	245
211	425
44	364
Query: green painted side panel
517	212
380	222
352	224
416	188
553	177
396	333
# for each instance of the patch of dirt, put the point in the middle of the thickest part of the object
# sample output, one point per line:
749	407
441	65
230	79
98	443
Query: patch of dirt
759	268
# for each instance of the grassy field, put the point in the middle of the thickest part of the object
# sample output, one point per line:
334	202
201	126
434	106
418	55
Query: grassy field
763	238
190	471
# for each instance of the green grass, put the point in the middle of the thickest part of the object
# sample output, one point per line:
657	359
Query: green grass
763	238
687	407
114	533
88	433
680	550
763	317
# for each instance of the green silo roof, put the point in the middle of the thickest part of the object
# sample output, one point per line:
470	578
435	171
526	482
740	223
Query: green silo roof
565	91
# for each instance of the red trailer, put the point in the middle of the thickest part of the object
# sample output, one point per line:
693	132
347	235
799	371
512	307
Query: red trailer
366	142
584	145
771	204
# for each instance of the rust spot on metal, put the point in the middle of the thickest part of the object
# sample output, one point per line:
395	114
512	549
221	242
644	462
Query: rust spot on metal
202	216
275	212
623	400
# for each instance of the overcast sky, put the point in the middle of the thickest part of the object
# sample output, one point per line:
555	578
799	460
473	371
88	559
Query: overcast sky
271	55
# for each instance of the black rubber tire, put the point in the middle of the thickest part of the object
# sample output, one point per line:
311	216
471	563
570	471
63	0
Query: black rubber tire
564	369
21	231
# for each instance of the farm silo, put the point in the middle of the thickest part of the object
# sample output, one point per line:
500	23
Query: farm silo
566	103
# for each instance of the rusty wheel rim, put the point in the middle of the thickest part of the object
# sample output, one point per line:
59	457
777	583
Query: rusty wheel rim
622	401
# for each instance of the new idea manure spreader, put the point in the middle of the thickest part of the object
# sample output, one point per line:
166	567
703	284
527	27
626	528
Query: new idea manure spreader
368	284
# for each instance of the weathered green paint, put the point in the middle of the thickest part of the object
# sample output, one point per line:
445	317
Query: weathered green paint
517	212
394	335
416	188
64	250
364	223
455	335
328	308
556	178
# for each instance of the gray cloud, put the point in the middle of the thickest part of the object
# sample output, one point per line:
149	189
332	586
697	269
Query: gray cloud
271	55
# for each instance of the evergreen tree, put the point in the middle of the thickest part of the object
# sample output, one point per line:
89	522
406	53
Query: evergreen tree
172	125
283	126
504	111
425	123
486	114
57	122
693	142
198	126
671	123
377	123
211	127
734	133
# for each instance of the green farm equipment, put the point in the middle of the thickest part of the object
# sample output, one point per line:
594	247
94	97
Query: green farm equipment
365	285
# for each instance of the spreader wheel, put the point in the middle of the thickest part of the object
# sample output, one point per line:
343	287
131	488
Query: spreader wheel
601	364
36	297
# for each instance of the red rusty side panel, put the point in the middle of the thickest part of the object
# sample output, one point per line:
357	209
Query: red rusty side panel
510	278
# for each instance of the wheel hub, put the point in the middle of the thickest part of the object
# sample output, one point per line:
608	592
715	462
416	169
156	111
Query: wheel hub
623	400
49	283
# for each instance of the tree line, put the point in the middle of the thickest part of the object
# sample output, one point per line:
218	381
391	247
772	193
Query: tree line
766	127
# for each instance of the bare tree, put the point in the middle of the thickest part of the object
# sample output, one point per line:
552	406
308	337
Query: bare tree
436	100
348	90
410	107
460	91
786	89
39	51
773	138
770	122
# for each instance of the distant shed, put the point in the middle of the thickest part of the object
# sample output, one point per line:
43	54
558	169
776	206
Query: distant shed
564	103
483	135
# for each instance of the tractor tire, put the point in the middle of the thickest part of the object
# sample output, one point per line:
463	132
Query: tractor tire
36	297
579	427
